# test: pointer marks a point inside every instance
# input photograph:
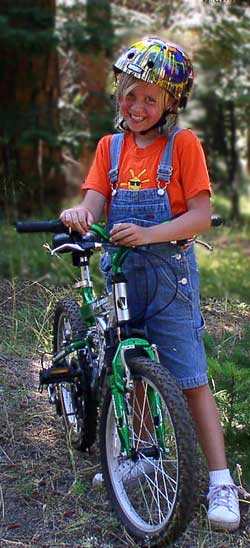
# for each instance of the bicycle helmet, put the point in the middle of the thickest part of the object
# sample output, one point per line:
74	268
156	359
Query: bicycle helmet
161	63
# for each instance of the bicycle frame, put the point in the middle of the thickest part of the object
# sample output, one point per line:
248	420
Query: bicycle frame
118	374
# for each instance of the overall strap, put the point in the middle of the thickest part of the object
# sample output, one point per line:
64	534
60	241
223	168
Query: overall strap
165	169
115	151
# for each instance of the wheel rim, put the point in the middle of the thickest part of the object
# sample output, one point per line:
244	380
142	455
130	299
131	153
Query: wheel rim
146	489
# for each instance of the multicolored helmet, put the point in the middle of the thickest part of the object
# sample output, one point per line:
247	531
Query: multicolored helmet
160	63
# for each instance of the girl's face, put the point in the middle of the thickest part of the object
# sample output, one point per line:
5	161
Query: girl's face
142	107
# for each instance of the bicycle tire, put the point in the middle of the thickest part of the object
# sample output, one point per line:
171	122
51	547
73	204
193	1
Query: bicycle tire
77	404
153	497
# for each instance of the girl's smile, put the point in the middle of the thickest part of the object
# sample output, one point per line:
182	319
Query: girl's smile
142	106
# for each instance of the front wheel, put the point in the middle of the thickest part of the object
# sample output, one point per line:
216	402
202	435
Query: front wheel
153	491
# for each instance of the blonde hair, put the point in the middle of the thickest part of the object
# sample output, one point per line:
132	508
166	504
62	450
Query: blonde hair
125	84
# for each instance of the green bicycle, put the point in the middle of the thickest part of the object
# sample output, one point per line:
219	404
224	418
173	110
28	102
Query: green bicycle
105	372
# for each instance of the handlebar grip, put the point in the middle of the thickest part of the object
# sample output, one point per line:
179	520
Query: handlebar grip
217	220
56	227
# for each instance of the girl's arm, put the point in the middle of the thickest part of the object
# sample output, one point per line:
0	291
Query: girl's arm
81	217
197	219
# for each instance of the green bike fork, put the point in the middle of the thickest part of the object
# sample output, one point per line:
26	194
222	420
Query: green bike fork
119	384
157	414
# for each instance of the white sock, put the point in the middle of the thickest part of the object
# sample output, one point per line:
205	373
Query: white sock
220	477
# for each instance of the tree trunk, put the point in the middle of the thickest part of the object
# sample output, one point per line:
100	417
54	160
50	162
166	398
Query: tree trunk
248	149
30	155
233	164
93	67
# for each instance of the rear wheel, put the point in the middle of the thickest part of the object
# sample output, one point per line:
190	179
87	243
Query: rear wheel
74	399
152	492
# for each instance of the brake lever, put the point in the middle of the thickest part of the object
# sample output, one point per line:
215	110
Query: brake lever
75	247
204	244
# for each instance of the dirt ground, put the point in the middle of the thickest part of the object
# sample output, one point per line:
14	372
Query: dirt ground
46	495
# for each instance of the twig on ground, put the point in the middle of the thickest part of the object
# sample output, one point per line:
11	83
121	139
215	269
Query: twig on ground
6	455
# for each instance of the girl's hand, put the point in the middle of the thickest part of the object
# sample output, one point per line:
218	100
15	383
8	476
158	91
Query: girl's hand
129	234
77	218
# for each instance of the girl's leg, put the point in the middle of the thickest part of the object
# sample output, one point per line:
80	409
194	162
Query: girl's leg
223	510
208	427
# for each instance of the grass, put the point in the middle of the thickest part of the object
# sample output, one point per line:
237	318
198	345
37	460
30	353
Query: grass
224	272
26	313
46	497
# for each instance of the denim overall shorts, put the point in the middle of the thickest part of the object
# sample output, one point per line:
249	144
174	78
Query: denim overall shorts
163	279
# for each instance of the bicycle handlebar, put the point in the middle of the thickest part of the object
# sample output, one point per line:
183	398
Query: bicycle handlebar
217	220
57	227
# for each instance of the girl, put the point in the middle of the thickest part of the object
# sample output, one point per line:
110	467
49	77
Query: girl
158	173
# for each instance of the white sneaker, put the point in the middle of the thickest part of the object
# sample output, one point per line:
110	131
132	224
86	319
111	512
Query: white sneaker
128	471
223	509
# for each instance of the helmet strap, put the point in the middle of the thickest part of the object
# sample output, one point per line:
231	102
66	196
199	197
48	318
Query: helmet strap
161	122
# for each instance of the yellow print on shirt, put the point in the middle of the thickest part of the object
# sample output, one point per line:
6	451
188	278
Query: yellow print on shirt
135	182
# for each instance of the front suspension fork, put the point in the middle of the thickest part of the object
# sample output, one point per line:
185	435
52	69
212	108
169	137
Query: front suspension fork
121	385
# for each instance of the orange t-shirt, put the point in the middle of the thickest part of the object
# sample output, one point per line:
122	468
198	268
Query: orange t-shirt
138	168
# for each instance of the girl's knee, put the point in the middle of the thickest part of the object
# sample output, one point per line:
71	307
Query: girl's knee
196	392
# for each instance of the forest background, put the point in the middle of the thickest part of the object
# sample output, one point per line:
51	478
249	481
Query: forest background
56	101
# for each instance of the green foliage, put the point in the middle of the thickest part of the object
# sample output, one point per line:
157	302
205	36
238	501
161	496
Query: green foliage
225	50
224	59
23	126
79	28
81	31
229	372
218	39
214	137
28	25
79	488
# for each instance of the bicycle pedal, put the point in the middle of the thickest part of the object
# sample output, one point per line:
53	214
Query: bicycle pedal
54	399
58	408
52	394
58	375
